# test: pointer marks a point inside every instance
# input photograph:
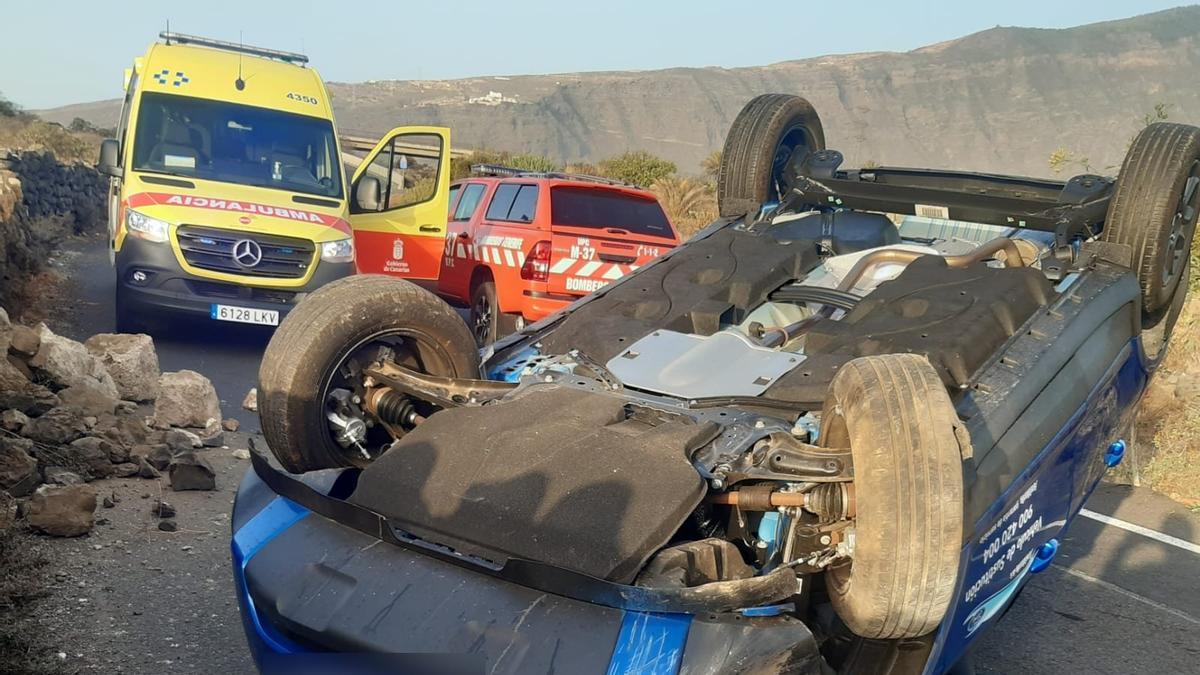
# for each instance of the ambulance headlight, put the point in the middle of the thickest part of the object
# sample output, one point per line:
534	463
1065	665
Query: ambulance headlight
143	226
340	251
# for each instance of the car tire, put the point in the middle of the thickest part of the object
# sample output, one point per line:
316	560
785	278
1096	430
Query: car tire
487	322
764	136
907	443
318	338
1153	211
125	319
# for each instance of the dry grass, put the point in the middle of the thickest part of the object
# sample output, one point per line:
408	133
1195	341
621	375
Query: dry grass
29	133
24	646
1170	418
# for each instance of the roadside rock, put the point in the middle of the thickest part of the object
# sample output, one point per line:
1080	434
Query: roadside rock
90	397
162	509
126	470
126	430
18	471
19	392
251	401
57	475
213	435
160	457
66	362
6	329
185	399
58	426
13	420
241	453
146	469
66	511
8	510
131	361
230	424
24	341
167	525
180	440
92	454
189	472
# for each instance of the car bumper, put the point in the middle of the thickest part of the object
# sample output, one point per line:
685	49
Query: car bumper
168	287
309	587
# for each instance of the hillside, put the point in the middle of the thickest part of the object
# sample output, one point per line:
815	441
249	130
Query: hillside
1002	99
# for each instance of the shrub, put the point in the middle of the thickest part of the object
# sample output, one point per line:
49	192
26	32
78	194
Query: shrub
637	167
690	203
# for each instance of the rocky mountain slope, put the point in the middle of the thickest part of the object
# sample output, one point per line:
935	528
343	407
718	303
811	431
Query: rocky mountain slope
1002	100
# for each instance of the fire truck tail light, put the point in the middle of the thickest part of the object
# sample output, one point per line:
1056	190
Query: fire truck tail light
537	263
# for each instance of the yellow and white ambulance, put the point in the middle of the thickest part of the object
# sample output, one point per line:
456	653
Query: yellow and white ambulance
229	196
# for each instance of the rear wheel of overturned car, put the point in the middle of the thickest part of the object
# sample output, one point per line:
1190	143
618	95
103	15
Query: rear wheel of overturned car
1153	211
895	415
771	132
312	370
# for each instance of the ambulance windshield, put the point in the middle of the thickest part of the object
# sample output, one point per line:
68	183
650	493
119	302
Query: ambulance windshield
232	143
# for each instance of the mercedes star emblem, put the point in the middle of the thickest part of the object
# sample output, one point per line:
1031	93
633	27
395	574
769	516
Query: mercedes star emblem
247	252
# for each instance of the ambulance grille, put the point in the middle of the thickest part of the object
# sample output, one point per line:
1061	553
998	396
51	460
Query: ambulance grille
212	249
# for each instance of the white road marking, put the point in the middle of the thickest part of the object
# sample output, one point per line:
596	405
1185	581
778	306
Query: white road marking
587	269
1129	594
562	265
1144	531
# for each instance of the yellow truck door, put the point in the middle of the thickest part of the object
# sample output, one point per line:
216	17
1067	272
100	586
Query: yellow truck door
399	200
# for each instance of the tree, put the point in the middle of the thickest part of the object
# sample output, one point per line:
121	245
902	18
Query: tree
637	167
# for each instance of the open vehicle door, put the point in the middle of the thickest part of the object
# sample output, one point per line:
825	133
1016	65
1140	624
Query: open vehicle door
400	195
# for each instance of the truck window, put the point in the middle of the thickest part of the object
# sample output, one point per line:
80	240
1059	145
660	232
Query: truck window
598	208
472	194
513	202
233	143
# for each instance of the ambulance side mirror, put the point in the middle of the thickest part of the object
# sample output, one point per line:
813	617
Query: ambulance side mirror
110	157
367	194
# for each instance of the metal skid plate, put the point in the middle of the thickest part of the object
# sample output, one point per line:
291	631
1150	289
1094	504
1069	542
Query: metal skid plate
726	363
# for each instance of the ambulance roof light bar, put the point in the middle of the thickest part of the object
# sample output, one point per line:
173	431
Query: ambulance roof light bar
508	171
183	39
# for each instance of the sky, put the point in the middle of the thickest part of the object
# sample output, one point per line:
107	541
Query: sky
54	53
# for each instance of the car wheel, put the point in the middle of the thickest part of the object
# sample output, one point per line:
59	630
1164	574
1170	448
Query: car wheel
770	132
314	362
895	415
488	323
126	320
1153	211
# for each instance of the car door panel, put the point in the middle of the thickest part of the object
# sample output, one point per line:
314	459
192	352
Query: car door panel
405	237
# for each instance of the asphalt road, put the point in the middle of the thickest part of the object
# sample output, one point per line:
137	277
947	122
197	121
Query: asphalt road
1115	601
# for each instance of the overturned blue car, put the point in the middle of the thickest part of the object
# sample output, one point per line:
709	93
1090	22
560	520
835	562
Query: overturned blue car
836	431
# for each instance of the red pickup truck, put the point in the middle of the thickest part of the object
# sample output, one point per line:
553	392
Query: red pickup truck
522	246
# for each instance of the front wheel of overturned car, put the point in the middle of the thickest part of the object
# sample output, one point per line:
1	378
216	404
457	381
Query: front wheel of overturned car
770	132
311	377
895	415
1153	211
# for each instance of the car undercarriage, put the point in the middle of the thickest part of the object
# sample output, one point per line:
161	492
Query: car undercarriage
818	411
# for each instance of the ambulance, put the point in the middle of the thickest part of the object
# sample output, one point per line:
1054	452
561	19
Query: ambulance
230	196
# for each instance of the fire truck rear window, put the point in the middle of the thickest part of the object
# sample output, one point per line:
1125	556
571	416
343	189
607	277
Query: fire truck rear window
589	207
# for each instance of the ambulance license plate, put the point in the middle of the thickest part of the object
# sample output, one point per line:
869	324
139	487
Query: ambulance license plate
262	317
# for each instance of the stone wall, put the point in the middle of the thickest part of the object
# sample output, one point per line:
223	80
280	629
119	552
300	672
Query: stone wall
42	201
